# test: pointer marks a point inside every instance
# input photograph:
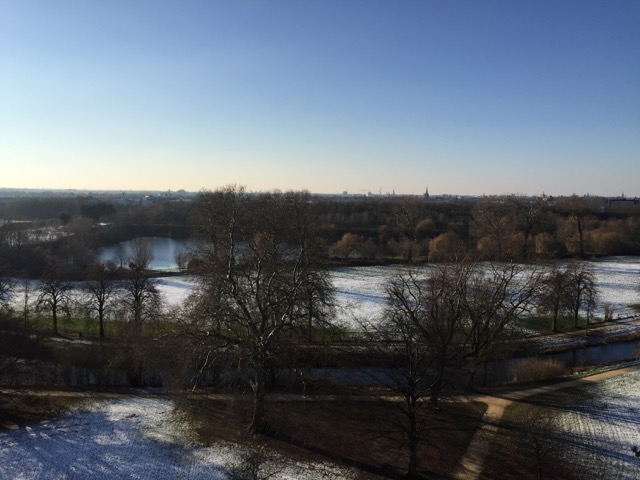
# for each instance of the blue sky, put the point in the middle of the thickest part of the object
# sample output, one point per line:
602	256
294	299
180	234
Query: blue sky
465	97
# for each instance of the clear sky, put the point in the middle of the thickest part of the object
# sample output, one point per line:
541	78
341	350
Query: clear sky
465	97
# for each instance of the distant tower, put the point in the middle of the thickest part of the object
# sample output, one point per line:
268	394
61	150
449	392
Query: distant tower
426	192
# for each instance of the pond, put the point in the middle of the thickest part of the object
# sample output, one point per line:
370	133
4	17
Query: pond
163	252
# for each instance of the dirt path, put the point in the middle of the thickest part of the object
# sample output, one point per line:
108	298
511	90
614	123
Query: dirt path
472	462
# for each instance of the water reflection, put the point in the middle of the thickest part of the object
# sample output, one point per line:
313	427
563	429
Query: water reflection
163	252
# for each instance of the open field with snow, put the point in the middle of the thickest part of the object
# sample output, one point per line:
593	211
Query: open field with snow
139	438
600	424
586	432
360	291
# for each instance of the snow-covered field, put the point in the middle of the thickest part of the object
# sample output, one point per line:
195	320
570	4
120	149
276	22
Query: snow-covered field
134	438
601	426
360	291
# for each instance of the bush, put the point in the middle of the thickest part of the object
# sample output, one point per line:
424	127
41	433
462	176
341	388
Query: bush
534	370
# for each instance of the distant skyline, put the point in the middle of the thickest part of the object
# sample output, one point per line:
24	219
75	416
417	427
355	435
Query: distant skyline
464	97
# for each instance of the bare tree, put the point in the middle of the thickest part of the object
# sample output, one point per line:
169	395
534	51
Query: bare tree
26	301
579	211
434	325
582	292
491	226
408	361
143	305
432	308
552	297
120	255
140	293
496	297
7	290
101	287
568	290
528	215
55	297
258	260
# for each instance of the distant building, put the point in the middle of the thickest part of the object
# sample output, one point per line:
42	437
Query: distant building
622	201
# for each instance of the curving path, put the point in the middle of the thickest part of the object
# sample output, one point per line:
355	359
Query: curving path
472	462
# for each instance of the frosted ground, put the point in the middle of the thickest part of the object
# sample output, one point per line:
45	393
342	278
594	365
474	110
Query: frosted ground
360	291
138	438
601	425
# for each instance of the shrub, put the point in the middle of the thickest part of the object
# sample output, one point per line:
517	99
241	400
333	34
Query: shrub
534	370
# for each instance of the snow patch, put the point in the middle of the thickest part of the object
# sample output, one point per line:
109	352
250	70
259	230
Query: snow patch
138	438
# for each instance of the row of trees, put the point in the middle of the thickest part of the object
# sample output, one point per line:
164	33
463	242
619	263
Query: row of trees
37	232
106	289
494	228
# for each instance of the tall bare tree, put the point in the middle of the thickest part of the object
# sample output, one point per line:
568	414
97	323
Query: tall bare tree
435	324
568	290
431	307
398	344
7	290
528	215
101	287
55	297
552	297
582	291
492	228
140	293
579	211
257	261
496	297
143	305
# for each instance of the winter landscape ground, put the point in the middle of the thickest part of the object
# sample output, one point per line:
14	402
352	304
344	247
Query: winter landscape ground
585	428
138	438
147	437
600	425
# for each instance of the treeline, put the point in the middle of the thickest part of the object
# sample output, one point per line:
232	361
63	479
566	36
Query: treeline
64	232
492	228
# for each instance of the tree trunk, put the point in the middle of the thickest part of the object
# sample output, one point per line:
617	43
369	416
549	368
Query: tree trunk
414	440
472	367
55	320
101	320
258	423
436	387
576	310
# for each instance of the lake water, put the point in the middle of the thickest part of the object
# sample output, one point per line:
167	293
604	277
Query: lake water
163	252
